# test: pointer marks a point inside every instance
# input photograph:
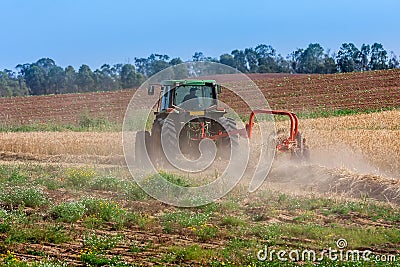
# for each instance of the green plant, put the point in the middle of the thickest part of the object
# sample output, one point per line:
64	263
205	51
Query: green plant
107	210
175	179
232	221
181	254
68	211
22	196
140	219
11	260
92	222
101	242
79	177
50	182
132	191
183	219
37	234
135	247
17	178
164	182
5	223
205	232
109	183
94	258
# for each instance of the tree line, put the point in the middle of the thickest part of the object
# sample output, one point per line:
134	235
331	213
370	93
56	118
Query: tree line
45	77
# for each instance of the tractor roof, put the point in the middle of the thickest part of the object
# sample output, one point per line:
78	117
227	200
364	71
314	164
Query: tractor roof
188	82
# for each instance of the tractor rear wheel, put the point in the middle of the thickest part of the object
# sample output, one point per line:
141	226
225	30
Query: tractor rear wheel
142	147
169	136
155	146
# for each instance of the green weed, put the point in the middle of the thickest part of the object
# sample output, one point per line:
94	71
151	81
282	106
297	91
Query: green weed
101	242
106	210
94	258
16	196
232	221
79	177
183	219
68	211
205	232
108	183
131	191
37	234
178	255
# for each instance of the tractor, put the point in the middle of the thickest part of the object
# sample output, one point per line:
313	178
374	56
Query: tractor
187	112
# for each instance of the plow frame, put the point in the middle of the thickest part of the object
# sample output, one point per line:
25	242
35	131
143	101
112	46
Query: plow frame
247	132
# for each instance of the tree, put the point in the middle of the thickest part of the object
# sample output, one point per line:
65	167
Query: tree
266	58
198	56
35	78
42	77
158	65
55	81
106	79
70	80
364	57
151	65
46	64
227	59
378	59
283	66
329	64
180	70
175	61
85	79
349	58
294	59
393	61
312	59
129	77
239	60
252	59
11	85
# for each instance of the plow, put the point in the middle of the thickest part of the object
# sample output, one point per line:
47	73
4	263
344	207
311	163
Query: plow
187	112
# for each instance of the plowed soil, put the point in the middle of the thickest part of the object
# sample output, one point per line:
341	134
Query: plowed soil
360	91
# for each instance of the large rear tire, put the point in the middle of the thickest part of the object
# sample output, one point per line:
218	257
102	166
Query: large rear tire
169	135
155	146
142	147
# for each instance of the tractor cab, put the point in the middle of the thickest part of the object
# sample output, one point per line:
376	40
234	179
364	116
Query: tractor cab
188	95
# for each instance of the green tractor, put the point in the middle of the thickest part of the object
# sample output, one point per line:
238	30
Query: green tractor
187	112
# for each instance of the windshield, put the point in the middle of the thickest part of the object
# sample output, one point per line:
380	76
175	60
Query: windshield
194	97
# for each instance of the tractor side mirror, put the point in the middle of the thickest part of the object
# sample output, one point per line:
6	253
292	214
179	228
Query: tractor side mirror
150	90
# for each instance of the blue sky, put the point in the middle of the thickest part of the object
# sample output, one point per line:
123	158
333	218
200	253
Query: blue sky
76	32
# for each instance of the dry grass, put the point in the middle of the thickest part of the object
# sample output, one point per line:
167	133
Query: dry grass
62	143
371	138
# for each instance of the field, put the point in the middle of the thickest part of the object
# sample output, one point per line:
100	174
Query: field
67	197
299	93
